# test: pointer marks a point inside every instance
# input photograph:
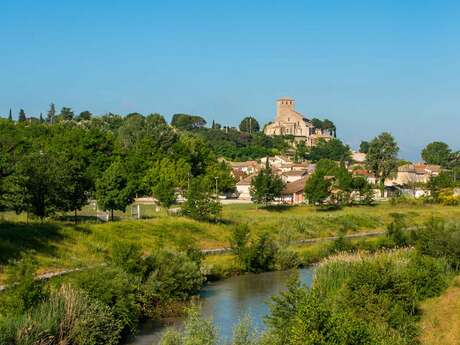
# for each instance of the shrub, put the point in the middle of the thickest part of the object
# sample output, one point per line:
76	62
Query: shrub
127	256
67	317
116	289
286	259
24	291
175	277
260	255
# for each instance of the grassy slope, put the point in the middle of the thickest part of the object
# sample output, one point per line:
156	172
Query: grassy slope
59	245
440	322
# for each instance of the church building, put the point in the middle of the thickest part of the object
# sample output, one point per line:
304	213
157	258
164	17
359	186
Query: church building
290	122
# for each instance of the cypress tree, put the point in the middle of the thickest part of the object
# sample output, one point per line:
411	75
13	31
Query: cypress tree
51	114
10	116
22	116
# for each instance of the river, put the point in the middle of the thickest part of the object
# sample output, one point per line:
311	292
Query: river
227	301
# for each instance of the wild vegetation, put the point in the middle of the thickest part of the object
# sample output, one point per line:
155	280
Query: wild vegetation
358	298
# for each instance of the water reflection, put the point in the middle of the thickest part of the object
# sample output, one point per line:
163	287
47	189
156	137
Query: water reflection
228	301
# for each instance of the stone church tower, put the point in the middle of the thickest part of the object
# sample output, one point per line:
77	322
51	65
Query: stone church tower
290	122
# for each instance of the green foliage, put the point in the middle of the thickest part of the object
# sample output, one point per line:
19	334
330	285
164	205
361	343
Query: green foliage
358	300
24	291
332	149
128	257
239	240
382	159
113	191
221	171
440	240
187	122
395	230
22	116
364	147
249	125
173	276
438	153
68	317
266	186
333	186
114	288
200	204
260	255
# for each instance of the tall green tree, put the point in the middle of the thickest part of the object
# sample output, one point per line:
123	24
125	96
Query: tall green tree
187	122
51	114
249	125
266	186
22	116
10	116
438	153
85	116
36	185
332	149
66	114
113	190
364	147
218	176
200	204
382	158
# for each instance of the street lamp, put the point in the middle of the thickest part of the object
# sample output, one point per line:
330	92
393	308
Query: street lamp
216	178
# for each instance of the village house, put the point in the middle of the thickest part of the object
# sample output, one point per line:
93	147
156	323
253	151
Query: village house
293	175
411	174
247	168
276	161
243	187
358	157
290	122
293	192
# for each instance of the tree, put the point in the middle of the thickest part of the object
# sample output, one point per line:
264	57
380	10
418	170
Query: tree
301	152
164	177
66	114
266	186
35	186
332	149
438	153
330	184
113	191
219	176
155	119
200	204
364	147
215	125
382	158
51	114
249	125
187	122
10	116
41	118
22	116
85	116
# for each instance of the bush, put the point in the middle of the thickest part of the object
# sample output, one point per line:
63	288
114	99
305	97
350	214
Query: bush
260	255
286	259
24	291
127	256
67	317
116	289
175	277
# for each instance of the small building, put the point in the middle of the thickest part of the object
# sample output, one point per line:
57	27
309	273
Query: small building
293	192
247	168
358	157
243	186
409	174
292	176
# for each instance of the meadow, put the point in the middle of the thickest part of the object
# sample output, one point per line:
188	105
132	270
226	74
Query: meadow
59	244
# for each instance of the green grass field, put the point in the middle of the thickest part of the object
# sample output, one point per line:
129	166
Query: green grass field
58	244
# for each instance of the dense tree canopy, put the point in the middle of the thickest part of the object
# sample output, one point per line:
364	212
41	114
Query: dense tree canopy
332	149
266	186
249	125
437	153
187	122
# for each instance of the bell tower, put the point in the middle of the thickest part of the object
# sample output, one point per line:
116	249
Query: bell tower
284	107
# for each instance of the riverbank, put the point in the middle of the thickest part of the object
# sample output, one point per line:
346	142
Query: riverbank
58	245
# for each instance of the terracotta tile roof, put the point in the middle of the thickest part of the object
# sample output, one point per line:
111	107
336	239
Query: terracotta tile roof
295	173
295	187
246	181
420	168
362	172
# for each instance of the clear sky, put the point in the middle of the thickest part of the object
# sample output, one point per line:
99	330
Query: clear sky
369	66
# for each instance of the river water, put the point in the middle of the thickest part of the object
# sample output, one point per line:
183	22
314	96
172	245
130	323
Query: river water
227	301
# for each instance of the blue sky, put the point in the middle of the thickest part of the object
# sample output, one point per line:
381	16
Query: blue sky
368	66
